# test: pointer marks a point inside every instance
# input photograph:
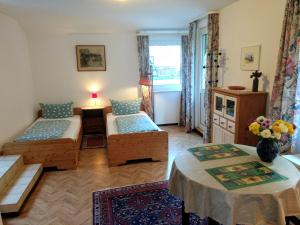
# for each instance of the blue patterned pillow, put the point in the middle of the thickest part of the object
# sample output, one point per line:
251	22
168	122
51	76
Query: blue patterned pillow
54	111
126	107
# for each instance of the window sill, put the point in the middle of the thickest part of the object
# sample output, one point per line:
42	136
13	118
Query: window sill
166	88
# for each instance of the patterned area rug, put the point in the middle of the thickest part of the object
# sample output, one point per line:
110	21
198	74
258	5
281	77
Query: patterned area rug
143	204
93	141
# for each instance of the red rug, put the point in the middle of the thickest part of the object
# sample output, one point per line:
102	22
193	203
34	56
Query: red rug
143	204
93	141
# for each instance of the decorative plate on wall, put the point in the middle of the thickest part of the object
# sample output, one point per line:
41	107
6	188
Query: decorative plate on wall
91	58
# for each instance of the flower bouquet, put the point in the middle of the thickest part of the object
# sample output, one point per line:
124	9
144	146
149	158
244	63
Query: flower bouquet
271	133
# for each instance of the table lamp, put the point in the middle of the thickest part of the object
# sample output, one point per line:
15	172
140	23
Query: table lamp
146	80
94	96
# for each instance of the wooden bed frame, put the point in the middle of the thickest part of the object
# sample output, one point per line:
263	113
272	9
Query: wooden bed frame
133	146
61	153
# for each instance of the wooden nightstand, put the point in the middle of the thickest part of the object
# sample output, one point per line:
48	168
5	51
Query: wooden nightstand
93	120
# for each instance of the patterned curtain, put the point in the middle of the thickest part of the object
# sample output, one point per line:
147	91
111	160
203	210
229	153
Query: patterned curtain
144	69
284	89
185	97
188	76
211	71
285	83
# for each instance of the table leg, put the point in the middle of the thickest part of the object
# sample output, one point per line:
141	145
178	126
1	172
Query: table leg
185	216
212	222
292	219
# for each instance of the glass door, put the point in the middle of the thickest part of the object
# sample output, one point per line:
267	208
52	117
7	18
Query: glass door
219	104
230	107
200	79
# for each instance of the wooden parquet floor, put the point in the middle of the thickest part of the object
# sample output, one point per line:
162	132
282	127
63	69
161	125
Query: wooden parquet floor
65	197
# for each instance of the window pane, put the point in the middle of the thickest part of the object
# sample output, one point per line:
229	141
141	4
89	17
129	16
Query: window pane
165	62
203	58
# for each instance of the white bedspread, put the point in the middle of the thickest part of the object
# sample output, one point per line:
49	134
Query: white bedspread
72	131
111	126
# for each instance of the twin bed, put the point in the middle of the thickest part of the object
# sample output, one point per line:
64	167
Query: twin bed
62	153
123	145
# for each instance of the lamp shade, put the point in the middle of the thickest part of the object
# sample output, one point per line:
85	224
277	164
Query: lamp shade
94	95
145	81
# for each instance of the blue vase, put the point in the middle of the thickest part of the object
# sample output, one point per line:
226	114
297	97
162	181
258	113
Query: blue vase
267	149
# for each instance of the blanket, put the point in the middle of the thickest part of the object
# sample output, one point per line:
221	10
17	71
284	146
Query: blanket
135	124
45	130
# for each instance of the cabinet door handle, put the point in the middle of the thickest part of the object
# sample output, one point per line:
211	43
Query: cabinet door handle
222	122
230	126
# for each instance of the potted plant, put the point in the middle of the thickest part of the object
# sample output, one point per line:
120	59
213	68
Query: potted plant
270	133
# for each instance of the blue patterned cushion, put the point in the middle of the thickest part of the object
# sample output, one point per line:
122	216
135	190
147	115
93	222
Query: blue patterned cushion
45	130
126	107
54	111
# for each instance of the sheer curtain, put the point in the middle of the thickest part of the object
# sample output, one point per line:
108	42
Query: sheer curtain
283	102
188	74
144	69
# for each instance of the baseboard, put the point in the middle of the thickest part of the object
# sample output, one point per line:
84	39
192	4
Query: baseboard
167	124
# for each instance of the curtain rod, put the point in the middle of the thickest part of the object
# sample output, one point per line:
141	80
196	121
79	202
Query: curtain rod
147	32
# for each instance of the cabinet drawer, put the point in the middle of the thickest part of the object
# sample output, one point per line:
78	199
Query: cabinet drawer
223	122
92	113
216	118
231	126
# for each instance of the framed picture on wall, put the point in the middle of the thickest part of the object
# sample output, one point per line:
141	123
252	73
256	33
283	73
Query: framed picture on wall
250	58
90	57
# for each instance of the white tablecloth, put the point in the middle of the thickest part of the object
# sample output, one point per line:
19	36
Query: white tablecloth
257	205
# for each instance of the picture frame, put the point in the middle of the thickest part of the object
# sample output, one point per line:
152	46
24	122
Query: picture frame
250	58
91	57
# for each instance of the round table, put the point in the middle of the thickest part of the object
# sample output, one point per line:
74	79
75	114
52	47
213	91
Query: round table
256	205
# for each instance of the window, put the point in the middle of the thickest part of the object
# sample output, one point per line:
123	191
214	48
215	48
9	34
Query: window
297	112
165	62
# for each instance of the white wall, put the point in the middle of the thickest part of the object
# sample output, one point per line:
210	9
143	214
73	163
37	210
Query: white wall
248	23
167	107
55	71
16	85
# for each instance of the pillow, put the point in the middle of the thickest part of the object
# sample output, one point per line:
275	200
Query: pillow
126	107
54	111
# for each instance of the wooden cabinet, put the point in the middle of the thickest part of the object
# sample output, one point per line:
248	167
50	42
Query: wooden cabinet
217	134
93	121
221	135
232	113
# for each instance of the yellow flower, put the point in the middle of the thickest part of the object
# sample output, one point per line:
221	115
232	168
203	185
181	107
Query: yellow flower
283	128
254	128
290	128
279	121
276	129
266	133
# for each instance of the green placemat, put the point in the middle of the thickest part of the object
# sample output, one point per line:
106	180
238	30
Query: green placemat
213	152
244	175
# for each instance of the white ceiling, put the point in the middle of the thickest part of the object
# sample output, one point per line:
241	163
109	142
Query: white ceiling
107	15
